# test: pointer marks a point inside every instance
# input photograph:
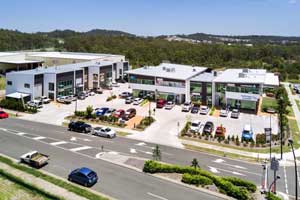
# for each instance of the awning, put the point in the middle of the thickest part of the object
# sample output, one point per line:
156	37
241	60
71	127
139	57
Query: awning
17	95
242	96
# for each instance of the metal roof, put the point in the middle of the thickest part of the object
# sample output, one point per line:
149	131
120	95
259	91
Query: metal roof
168	70
17	95
204	77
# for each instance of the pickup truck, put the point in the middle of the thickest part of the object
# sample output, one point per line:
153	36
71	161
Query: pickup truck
35	159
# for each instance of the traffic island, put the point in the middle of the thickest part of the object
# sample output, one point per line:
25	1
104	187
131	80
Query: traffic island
231	186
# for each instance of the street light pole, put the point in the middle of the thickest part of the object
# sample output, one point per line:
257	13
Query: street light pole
281	127
296	172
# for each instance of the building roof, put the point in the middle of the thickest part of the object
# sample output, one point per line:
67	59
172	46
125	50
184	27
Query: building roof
204	77
17	95
254	76
15	58
71	55
63	68
168	70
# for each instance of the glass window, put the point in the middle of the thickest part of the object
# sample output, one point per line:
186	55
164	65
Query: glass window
9	82
195	87
208	89
51	86
26	85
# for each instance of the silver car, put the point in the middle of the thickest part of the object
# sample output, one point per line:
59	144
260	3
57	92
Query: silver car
104	132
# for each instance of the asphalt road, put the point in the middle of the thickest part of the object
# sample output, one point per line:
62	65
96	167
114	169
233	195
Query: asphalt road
128	180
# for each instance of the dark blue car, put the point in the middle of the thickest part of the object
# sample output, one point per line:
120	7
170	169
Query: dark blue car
83	176
101	111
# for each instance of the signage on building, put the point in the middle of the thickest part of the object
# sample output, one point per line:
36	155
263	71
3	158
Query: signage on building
241	96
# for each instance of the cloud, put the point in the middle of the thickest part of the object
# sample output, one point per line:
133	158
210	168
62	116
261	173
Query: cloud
292	1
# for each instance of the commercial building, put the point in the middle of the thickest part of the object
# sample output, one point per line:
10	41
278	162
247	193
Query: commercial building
239	88
18	61
64	80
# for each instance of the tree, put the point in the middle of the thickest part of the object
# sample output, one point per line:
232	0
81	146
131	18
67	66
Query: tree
89	111
195	163
156	153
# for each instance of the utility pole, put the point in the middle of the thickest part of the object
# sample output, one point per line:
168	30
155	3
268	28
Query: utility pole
281	125
296	172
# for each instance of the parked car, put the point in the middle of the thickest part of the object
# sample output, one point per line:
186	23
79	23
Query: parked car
64	99
169	105
3	115
104	132
129	100
81	96
186	107
101	111
35	159
208	128
195	108
204	110
235	113
72	97
195	126
220	131
247	134
97	90
130	113
115	84
137	101
125	94
160	103
119	113
83	176
35	103
44	99
109	112
224	112
92	93
80	126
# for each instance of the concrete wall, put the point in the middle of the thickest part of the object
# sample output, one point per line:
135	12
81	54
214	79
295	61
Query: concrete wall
49	78
18	81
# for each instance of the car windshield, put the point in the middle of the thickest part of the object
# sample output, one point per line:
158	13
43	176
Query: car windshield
107	129
1	112
195	124
186	104
91	174
97	128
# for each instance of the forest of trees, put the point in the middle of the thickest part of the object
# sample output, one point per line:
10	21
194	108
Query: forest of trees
153	50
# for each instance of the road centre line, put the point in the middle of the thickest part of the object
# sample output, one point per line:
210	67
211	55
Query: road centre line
156	196
38	138
58	143
80	148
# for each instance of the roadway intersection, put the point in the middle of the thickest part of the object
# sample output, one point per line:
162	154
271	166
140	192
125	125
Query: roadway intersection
69	150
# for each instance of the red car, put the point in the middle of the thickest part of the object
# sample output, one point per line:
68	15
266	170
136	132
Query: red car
119	113
3	115
160	103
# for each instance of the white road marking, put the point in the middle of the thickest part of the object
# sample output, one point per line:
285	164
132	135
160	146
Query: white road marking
285	180
113	153
213	170
3	129
73	139
132	150
141	144
156	196
80	148
58	143
98	155
239	174
21	133
38	138
223	162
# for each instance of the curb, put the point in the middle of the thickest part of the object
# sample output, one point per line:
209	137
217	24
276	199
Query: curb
65	180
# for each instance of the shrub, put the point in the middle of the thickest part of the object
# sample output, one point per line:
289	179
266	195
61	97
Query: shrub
271	196
231	190
196	180
212	110
242	183
80	113
89	111
12	104
185	128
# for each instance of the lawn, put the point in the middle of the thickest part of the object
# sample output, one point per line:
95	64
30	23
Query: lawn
2	83
267	103
11	190
298	104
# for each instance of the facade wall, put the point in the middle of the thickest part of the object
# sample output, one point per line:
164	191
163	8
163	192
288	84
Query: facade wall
50	78
18	83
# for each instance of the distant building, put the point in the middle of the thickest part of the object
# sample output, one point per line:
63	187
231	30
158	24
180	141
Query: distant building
17	61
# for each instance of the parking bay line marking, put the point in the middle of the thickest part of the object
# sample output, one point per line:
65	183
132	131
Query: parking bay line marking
285	180
58	143
80	148
156	196
38	138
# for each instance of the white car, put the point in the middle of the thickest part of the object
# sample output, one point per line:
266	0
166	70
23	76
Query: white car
137	101
104	132
195	126
92	93
204	110
169	105
186	107
224	112
110	112
45	99
35	103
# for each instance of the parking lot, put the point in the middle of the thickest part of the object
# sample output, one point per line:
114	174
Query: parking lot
168	122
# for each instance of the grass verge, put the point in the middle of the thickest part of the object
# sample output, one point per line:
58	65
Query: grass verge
298	104
123	134
61	183
2	83
30	187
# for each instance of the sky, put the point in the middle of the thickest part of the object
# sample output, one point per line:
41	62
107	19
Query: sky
155	17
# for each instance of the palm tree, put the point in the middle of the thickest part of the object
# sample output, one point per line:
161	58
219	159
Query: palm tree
156	153
195	163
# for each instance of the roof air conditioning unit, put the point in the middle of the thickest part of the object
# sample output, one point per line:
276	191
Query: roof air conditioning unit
246	70
194	69
242	75
164	68
168	69
173	69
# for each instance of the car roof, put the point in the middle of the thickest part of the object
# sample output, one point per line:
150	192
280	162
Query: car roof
247	127
85	170
196	121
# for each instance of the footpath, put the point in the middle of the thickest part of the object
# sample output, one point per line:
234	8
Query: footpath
42	184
